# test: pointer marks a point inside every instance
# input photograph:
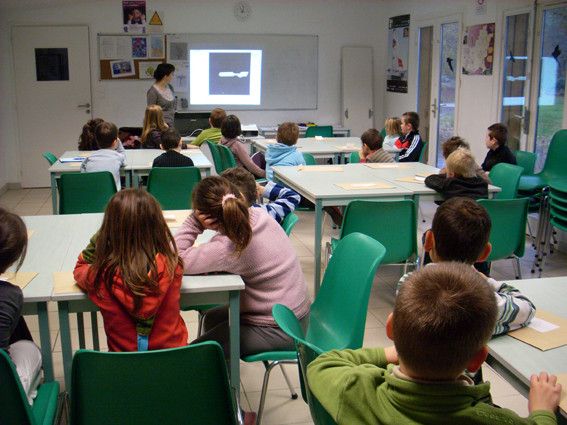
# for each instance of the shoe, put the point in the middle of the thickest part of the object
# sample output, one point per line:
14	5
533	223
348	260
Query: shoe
249	418
336	215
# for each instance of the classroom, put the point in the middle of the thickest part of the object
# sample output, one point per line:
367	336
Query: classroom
522	84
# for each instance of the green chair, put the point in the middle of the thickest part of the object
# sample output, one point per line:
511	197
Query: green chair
422	153
217	161
508	235
14	406
187	385
319	130
526	160
309	159
354	158
375	218
50	157
289	221
85	192
227	158
507	177
338	315
172	186
383	132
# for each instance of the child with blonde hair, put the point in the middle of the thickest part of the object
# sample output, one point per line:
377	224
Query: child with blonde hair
153	127
393	127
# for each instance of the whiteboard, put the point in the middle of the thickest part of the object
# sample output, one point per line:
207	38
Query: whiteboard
289	67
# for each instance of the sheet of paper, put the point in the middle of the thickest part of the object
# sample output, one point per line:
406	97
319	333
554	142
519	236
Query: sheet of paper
20	279
321	168
84	155
176	218
269	141
542	326
410	179
346	148
379	165
544	340
64	283
364	186
320	138
75	164
424	175
30	233
562	379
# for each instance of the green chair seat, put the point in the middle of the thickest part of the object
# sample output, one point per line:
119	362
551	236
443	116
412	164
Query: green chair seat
81	193
172	186
506	177
289	221
354	158
309	159
531	183
526	160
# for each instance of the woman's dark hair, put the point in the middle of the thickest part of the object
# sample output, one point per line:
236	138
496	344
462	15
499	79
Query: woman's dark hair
13	240
163	70
230	127
86	139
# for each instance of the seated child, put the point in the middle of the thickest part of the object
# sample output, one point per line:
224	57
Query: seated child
461	178
460	232
372	147
15	337
171	144
214	133
86	139
496	137
450	146
442	320
132	272
410	142
153	127
393	128
284	152
283	200
110	156
230	130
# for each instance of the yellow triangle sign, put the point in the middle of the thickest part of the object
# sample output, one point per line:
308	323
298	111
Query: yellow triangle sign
156	20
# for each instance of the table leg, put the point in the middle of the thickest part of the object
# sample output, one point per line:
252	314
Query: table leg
65	335
318	239
53	194
45	339
234	326
128	179
135	179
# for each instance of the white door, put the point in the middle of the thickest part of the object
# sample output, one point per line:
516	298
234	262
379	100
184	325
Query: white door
52	111
358	107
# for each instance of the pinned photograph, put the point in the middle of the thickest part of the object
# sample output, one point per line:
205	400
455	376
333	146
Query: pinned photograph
122	68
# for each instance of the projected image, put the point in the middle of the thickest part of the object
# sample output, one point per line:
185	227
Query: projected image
225	77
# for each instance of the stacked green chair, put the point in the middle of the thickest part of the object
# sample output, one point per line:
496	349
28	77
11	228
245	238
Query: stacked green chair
508	235
354	158
52	159
309	159
526	160
217	161
557	212
172	186
14	406
85	192
289	221
506	177
319	130
187	385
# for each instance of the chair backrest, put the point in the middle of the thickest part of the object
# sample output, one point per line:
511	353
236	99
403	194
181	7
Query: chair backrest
227	158
422	153
14	406
526	160
172	186
554	166
309	159
507	177
354	158
392	223
383	132
319	130
85	192
508	235
180	385
289	221
213	147
50	157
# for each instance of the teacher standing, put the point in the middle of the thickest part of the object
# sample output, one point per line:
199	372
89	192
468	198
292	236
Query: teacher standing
161	93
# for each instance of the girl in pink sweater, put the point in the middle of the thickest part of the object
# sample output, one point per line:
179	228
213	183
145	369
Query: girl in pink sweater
253	245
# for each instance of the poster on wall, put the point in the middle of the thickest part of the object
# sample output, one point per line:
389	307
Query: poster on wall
478	49
398	53
134	16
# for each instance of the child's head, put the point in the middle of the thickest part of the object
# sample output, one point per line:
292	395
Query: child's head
410	122
230	127
13	240
244	181
443	317
372	139
153	118
452	144
222	201
106	134
288	133
217	117
459	232
393	126
496	136
170	139
86	139
461	163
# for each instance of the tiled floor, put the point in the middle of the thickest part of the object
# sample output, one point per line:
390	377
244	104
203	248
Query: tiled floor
280	408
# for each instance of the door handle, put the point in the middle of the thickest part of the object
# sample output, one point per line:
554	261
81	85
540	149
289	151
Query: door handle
86	105
434	108
346	113
370	113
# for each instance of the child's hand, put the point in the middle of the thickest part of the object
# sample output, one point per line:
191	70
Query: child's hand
206	220
544	392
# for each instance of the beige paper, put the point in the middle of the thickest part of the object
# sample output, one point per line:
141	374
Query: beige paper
269	141
386	165
322	168
562	379
84	155
176	218
30	233
346	148
544	340
323	138
364	186
64	283
410	179
425	175
75	164
20	279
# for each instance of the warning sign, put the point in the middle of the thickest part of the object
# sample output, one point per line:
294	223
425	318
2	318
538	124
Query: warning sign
155	24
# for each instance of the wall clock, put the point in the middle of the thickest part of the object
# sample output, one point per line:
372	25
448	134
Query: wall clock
242	11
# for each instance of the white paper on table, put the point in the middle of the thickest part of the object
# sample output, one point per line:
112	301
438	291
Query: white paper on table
542	325
319	138
419	178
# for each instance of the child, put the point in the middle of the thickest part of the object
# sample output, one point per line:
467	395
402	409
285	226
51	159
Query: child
454	143
251	244
132	272
496	137
284	152
15	338
86	139
171	144
443	318
410	142
283	200
460	232
372	147
393	128
214	133
110	156
153	127
461	178
230	130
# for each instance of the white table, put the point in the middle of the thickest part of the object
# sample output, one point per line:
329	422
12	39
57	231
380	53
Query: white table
272	130
515	360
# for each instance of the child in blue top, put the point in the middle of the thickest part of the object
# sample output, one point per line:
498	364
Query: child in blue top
284	152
